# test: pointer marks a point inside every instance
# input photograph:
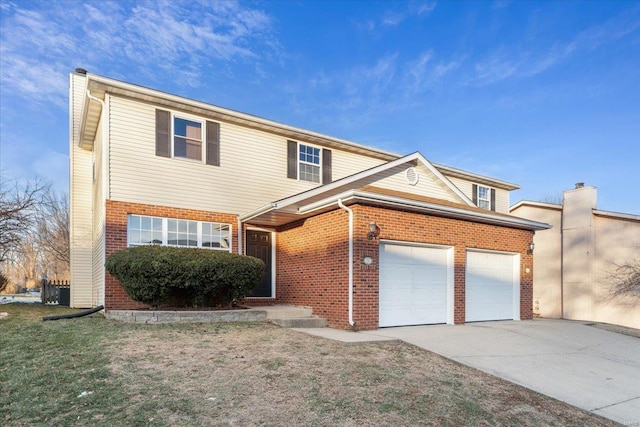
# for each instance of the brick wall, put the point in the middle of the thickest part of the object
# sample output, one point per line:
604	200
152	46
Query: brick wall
312	259
312	268
116	239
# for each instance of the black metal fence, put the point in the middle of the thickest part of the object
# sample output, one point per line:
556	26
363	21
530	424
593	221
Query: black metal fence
56	292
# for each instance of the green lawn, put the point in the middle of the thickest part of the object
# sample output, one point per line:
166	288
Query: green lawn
91	371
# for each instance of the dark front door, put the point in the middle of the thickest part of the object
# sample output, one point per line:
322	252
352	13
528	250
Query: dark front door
259	246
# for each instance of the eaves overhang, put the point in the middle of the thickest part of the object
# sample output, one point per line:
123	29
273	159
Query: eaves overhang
91	112
213	112
617	215
480	179
274	215
542	205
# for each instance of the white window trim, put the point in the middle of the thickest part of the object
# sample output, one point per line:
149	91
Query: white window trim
165	233
203	128
488	199
319	165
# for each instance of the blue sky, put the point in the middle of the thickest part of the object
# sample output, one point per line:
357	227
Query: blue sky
541	94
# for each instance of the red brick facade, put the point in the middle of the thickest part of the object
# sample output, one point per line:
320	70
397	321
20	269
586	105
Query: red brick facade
312	255
116	239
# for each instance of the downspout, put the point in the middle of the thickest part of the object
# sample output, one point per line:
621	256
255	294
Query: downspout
94	98
351	322
239	236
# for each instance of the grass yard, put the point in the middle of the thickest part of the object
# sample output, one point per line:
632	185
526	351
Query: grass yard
91	371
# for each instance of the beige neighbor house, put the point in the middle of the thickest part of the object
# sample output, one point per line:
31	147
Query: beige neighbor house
575	262
364	237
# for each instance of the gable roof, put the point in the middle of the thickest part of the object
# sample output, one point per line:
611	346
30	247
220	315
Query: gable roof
357	188
96	87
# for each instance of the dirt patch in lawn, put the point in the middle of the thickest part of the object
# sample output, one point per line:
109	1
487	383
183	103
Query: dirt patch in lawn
260	374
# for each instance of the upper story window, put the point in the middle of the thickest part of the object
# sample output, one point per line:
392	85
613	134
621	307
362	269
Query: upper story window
308	163
309	167
187	138
484	197
149	230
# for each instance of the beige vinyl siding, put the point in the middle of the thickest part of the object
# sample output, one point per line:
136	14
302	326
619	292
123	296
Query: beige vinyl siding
428	184
80	204
502	196
252	171
98	238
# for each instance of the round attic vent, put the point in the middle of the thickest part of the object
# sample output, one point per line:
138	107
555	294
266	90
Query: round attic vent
412	176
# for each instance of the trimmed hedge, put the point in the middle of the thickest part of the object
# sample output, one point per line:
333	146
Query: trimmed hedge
155	275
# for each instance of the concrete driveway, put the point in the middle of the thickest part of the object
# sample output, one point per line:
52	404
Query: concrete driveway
587	367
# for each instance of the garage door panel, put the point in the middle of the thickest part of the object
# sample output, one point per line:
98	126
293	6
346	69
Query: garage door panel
413	284
491	286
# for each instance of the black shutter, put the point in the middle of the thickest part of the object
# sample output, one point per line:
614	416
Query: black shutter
163	141
213	143
493	199
292	159
326	166
474	196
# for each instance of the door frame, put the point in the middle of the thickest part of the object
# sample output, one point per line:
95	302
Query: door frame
515	278
450	319
273	255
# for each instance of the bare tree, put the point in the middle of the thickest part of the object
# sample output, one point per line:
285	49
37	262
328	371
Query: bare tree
18	205
27	259
53	226
553	198
624	280
4	281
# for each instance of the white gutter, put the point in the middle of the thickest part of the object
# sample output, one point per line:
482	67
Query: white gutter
258	212
351	322
425	206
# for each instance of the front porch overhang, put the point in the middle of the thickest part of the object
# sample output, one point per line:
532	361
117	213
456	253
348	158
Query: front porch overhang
275	215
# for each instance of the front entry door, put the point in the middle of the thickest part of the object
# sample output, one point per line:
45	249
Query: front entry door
259	246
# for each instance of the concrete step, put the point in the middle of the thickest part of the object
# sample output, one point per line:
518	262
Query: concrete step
300	322
286	312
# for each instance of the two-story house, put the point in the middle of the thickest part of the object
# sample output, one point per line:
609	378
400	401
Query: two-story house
365	237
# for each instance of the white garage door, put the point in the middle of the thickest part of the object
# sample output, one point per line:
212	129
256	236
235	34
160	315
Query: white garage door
415	282
492	286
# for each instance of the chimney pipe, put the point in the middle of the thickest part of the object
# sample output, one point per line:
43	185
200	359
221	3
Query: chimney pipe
579	184
81	71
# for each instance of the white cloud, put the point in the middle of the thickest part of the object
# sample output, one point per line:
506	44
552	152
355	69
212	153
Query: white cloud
423	74
426	8
42	42
522	60
393	18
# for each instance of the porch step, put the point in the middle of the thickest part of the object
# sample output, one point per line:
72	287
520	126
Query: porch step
286	311
288	316
301	322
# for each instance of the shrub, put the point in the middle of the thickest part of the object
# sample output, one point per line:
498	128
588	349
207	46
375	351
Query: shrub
197	277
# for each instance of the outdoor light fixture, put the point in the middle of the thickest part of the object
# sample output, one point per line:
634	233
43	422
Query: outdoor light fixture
374	231
531	247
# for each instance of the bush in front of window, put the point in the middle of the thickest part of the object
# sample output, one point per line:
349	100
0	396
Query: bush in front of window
159	275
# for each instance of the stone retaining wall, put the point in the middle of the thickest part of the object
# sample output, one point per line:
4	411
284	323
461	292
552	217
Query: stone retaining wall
148	316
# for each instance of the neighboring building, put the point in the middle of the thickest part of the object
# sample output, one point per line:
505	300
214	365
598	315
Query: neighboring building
364	237
575	262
